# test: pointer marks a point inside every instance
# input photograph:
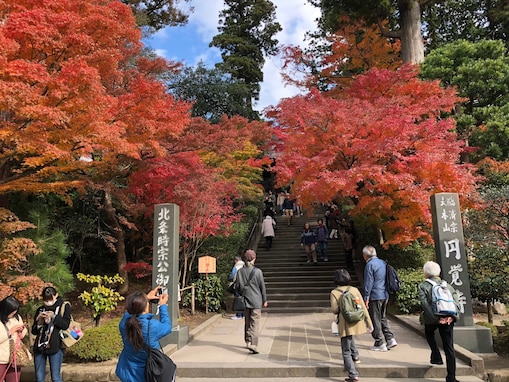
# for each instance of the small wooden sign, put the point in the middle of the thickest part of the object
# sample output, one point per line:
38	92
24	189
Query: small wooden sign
207	264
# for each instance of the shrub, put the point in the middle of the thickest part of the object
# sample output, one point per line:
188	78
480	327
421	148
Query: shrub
101	298
210	290
100	343
407	299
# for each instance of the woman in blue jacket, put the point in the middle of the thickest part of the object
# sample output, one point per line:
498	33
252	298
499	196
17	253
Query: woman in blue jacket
134	331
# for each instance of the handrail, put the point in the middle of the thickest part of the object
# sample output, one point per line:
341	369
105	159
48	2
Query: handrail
254	234
193	297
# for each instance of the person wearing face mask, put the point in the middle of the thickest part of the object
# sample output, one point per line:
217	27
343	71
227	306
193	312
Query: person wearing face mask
48	322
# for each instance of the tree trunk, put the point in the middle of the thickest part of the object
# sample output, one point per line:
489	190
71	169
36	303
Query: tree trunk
489	308
118	233
412	45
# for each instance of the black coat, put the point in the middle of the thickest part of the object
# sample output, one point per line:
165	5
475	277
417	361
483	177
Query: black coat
59	322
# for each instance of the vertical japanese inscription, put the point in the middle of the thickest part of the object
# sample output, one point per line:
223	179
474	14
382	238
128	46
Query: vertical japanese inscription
450	249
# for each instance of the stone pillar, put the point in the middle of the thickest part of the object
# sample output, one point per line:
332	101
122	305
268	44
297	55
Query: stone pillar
165	262
451	255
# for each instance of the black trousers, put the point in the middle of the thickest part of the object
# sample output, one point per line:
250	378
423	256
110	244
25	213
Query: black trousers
446	334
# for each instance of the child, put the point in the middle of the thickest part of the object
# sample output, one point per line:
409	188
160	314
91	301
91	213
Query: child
348	329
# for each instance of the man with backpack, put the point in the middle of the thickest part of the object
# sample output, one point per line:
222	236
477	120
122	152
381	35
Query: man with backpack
435	296
376	297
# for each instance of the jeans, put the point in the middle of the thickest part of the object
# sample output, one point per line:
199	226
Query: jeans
377	311
446	333
350	352
55	363
322	249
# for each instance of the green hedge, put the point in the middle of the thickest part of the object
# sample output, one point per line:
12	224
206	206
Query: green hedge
407	299
100	343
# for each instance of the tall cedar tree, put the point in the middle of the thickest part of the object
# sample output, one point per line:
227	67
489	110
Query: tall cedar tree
247	29
443	21
404	18
385	145
79	105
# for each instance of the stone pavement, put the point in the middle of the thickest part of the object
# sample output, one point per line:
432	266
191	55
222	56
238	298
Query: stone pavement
293	348
298	347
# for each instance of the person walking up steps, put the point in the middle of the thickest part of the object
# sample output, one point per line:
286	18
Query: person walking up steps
347	330
250	284
267	231
432	322
376	298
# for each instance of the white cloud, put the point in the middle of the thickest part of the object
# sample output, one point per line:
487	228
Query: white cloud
191	43
296	18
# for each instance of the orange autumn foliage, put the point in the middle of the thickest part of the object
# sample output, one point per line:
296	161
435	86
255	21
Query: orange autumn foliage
384	144
354	49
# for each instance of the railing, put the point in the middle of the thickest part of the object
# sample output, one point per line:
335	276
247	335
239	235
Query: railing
254	234
193	297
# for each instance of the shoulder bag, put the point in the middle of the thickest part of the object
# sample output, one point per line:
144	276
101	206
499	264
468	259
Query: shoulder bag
73	333
159	367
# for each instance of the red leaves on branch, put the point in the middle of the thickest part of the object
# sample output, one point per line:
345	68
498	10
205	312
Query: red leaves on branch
384	144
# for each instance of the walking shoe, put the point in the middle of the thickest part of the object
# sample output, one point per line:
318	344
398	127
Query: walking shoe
326	259
437	362
356	360
382	347
391	343
237	318
253	349
351	379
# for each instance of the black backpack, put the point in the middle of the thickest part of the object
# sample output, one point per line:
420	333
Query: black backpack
392	280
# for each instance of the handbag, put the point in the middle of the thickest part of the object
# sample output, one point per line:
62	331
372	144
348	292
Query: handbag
159	367
239	304
20	355
73	333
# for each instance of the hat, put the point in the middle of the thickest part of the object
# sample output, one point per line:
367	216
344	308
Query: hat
250	255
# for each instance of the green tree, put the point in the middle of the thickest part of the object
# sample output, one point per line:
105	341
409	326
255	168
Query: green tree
247	29
157	14
451	20
480	72
404	21
51	264
213	93
487	238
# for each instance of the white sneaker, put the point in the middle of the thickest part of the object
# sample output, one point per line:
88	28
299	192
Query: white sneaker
237	318
391	343
382	347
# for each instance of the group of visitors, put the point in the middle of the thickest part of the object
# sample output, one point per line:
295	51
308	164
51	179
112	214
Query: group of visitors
373	300
315	244
54	315
376	296
50	318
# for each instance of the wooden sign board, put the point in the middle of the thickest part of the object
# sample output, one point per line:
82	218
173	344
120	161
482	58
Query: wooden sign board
207	264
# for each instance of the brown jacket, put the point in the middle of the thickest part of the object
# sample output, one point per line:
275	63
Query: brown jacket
349	328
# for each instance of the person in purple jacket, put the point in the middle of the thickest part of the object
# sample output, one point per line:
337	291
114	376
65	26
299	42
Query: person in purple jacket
376	297
134	331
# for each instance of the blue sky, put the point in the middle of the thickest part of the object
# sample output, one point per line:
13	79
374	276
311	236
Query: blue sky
190	43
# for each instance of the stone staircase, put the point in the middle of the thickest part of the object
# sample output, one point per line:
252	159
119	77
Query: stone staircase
293	285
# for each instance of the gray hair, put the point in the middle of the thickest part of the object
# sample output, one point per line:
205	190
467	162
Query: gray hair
369	251
431	269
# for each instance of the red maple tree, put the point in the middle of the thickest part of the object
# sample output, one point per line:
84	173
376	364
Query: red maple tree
385	144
